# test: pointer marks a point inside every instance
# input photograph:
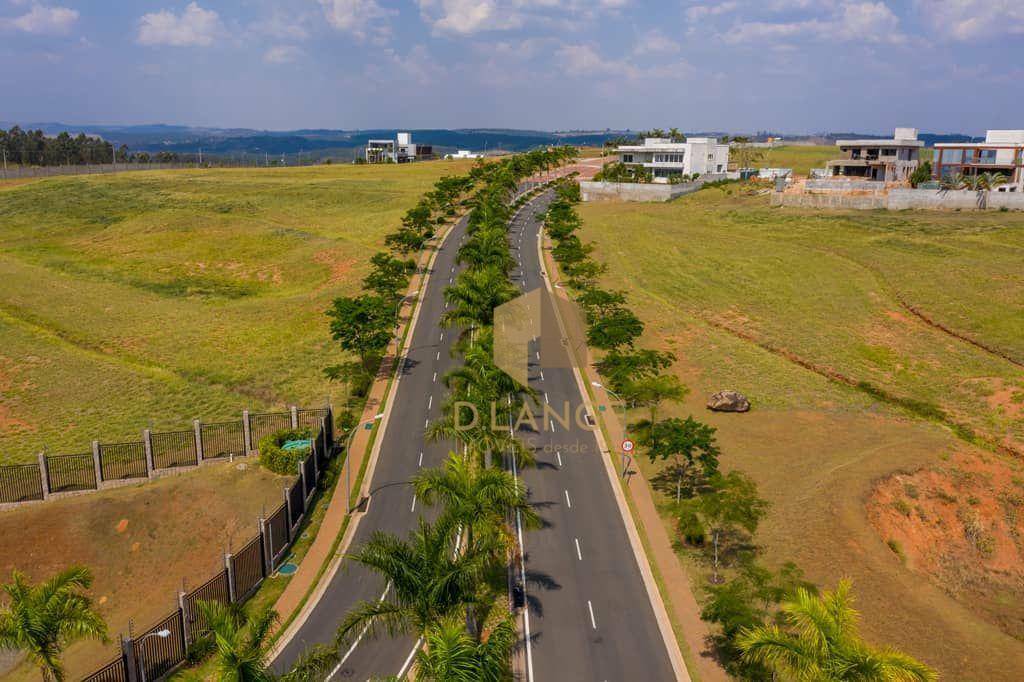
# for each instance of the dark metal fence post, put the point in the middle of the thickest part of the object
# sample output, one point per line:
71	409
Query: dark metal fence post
44	476
197	427
247	432
295	417
96	463
266	546
302	474
147	445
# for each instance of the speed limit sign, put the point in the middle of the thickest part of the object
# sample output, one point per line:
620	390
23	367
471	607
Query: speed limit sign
627	445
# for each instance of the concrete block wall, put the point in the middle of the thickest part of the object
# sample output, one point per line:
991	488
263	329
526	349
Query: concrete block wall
631	191
901	199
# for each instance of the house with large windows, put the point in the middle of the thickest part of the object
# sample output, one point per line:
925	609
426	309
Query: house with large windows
886	160
1002	153
399	150
664	158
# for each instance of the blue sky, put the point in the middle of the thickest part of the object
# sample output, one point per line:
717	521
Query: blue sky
737	65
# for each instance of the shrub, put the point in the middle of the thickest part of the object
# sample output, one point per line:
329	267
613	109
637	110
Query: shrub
897	549
275	458
902	507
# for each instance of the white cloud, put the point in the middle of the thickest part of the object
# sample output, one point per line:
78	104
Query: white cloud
281	54
43	20
698	12
358	17
869	22
467	17
584	60
655	42
195	26
970	19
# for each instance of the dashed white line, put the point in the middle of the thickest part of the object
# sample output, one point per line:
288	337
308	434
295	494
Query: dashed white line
568	502
590	607
413	508
420	463
552	423
542	375
438	356
430	402
426	423
546	398
435	377
559	456
579	554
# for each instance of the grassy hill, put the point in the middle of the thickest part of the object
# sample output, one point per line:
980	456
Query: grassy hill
879	483
149	299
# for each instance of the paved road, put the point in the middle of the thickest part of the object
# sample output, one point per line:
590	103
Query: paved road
392	508
590	616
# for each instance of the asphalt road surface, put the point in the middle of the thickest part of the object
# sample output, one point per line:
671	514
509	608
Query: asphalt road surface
589	613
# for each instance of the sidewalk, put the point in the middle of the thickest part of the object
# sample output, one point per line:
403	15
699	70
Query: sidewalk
673	581
328	542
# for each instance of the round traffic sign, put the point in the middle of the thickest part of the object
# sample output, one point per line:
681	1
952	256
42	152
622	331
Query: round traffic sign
627	445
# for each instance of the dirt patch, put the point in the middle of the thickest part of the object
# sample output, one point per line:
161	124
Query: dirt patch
962	526
340	268
899	317
141	542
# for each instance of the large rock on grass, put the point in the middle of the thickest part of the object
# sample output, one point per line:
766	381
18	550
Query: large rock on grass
728	401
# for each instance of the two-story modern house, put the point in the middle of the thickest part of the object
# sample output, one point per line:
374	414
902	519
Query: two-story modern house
1002	152
665	158
884	160
400	150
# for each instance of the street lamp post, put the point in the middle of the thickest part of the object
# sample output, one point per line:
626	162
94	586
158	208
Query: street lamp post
162	634
626	459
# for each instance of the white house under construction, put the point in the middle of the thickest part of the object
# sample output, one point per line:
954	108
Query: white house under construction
400	150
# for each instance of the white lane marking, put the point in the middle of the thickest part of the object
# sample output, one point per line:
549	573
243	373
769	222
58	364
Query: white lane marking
590	607
567	500
352	648
546	398
579	554
559	456
435	377
413	508
421	460
552	423
430	402
408	661
438	356
442	337
542	375
426	423
537	353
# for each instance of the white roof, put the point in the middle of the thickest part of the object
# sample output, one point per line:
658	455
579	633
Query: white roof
879	143
993	138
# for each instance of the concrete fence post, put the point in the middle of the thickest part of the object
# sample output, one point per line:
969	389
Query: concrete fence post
147	445
266	543
97	466
44	475
247	433
131	665
231	577
295	417
186	634
197	428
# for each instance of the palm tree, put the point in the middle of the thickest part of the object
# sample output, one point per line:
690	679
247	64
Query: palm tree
479	500
674	134
239	643
42	620
487	247
451	655
820	641
428	581
475	295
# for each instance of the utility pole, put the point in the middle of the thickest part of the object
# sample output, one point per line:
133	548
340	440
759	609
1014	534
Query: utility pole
200	156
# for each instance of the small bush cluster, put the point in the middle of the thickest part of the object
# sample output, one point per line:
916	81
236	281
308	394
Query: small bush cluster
275	458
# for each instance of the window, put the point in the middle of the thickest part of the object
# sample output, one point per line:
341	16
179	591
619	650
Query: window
627	158
889	152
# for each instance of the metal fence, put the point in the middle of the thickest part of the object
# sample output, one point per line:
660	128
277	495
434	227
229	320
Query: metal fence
156	654
156	452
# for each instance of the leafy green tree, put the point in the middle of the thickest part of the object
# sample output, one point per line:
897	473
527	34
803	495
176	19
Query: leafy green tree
389	276
732	504
689	444
819	639
449	654
362	325
620	368
42	620
617	328
923	173
651	390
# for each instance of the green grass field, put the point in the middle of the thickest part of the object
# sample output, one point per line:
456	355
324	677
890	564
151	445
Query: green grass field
773	301
800	158
149	299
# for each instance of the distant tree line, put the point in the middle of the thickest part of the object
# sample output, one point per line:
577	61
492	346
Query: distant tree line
33	148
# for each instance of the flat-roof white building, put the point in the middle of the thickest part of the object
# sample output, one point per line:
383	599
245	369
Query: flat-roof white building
665	158
887	160
400	150
1002	152
464	154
